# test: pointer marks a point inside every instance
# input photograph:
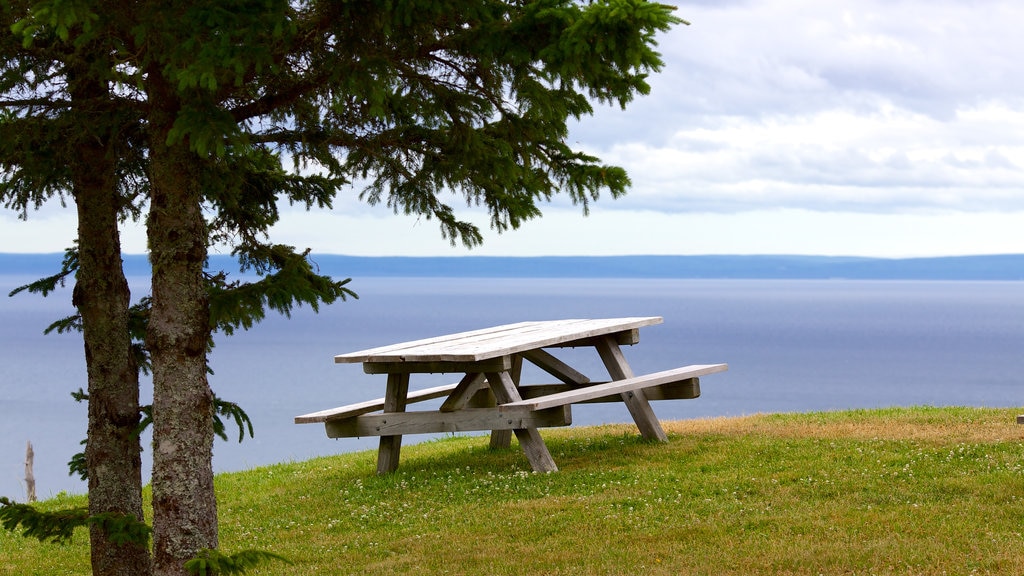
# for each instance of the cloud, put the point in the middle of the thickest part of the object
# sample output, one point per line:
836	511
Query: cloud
865	106
788	56
872	127
834	160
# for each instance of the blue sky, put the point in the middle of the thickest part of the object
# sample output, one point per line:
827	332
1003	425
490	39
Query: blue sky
872	128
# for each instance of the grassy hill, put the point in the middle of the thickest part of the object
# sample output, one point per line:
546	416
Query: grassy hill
894	491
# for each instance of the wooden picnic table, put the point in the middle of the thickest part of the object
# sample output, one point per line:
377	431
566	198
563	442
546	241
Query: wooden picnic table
490	395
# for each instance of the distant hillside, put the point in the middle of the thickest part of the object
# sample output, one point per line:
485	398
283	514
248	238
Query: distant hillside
996	267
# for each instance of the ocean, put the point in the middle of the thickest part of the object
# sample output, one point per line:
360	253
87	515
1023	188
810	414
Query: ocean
791	345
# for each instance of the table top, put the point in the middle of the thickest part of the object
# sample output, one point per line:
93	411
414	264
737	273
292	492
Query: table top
488	343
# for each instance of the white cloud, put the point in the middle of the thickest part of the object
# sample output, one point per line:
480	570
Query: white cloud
891	159
871	127
867	106
801	55
47	231
610	231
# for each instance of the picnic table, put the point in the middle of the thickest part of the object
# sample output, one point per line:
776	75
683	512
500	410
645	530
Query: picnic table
490	395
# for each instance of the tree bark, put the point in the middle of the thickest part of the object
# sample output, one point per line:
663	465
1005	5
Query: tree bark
30	477
102	296
184	503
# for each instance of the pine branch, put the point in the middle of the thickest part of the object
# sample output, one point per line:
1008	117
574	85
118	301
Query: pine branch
55	527
233	411
289	281
77	464
214	563
68	266
58	527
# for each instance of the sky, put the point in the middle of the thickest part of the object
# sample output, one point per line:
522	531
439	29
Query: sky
889	128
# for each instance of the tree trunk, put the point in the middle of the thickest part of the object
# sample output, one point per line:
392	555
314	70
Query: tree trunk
184	504
102	296
30	476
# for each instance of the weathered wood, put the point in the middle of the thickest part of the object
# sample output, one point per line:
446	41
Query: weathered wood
497	401
529	438
467	388
372	405
1020	419
624	338
438	366
684	389
687	389
502	439
30	477
498	341
433	422
390	447
555	367
600	392
634	398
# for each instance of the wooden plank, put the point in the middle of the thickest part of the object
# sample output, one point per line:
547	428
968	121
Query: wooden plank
433	422
685	389
390	447
502	439
545	361
391	350
469	385
438	366
504	340
529	438
624	338
634	398
578	395
682	390
372	405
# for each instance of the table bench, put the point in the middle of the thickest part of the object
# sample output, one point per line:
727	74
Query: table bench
490	396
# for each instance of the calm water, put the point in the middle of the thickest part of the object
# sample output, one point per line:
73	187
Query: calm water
792	345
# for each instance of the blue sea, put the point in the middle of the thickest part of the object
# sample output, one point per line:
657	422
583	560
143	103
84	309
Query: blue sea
791	345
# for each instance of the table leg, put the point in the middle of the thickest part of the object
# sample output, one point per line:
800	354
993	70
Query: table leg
529	438
394	401
636	401
501	439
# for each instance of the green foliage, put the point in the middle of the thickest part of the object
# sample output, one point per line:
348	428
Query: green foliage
55	527
426	103
288	280
60	16
58	526
231	411
78	466
419	99
222	410
214	563
122	528
44	286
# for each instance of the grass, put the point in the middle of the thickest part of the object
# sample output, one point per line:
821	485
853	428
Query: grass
893	491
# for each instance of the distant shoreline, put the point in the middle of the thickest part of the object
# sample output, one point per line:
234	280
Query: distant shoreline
1006	267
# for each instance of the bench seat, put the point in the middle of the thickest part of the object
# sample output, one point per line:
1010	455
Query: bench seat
595	391
678	383
369	406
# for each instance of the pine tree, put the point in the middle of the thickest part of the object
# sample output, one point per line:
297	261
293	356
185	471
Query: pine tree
46	150
209	113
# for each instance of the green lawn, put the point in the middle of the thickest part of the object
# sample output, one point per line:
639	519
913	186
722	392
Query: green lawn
895	491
